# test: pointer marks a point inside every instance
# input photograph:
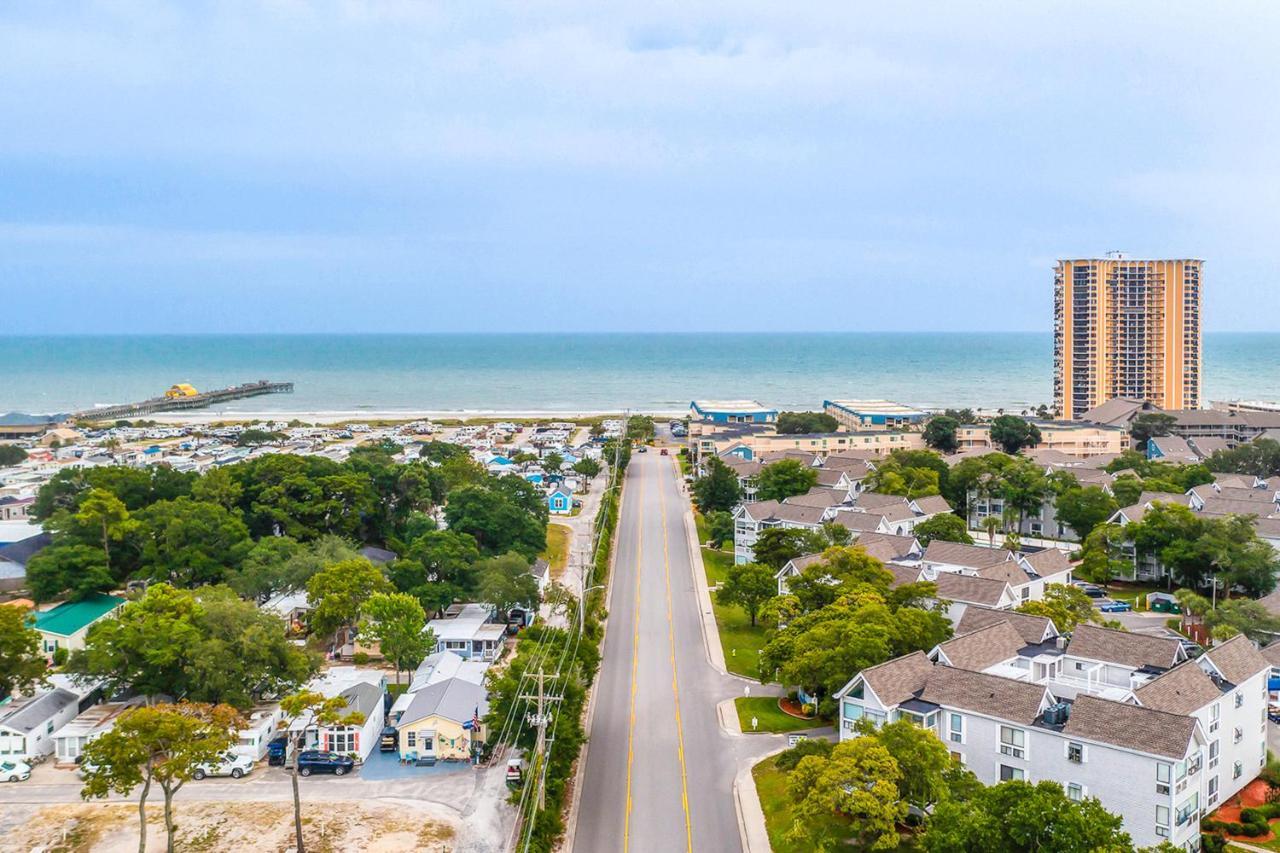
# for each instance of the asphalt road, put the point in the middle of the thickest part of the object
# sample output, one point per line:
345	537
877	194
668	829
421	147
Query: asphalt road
659	770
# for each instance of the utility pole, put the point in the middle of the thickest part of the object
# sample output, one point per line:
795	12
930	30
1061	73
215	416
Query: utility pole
540	718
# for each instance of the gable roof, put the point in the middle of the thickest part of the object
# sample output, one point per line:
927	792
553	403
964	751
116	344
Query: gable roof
876	501
453	698
1184	689
1130	726
830	476
1237	659
1019	701
775	510
1032	629
1047	563
902	575
362	697
969	589
932	505
1116	411
1223	506
887	546
71	616
23	550
819	497
984	647
1271	653
899	679
1123	647
859	522
1010	572
969	556
23	715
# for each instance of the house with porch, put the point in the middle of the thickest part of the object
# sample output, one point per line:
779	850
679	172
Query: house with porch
66	625
470	633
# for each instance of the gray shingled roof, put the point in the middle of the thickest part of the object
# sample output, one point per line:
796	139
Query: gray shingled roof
26	714
1237	659
959	554
1123	647
1018	701
454	699
899	679
1184	689
1032	629
362	697
1130	726
971	590
984	647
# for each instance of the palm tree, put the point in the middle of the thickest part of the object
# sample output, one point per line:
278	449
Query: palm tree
991	524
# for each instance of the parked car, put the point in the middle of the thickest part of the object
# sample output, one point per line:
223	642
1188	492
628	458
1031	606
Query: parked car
315	761
640	448
276	751
1093	591
232	764
390	740
14	771
1115	607
1273	714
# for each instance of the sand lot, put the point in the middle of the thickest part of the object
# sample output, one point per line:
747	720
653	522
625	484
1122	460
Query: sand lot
338	825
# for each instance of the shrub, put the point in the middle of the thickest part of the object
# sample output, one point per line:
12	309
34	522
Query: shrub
1213	843
360	658
788	760
60	655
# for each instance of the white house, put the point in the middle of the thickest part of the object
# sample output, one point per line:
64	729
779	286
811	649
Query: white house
470	633
362	689
28	723
263	726
94	721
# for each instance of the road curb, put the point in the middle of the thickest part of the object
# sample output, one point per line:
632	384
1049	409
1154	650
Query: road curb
571	818
727	711
752	829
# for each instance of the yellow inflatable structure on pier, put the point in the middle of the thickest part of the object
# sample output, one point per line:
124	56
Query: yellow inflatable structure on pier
182	389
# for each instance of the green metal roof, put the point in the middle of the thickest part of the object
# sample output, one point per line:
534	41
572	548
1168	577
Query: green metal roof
71	616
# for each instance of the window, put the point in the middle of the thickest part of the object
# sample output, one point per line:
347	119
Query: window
1013	742
1075	791
958	757
1239	699
1008	773
1188	810
955	729
343	740
1075	752
1237	735
1236	770
411	740
48	729
1213	755
1213	790
1164	774
1162	821
1214	713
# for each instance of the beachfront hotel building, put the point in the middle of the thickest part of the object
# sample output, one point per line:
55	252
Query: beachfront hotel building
1126	327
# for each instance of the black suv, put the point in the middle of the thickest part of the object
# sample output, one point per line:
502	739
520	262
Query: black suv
314	761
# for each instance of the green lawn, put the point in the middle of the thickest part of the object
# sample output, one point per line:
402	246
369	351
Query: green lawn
1131	592
770	717
557	553
741	642
716	561
771	787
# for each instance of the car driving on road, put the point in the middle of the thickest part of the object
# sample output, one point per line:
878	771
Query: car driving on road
315	761
232	764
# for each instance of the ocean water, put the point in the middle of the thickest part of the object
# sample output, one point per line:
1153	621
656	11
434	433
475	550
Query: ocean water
576	372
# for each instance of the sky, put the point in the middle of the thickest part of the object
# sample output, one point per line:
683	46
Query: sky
584	166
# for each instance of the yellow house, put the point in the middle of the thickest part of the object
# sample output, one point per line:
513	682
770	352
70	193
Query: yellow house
442	721
182	389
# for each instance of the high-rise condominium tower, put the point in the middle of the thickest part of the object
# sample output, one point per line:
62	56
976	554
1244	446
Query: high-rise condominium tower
1126	327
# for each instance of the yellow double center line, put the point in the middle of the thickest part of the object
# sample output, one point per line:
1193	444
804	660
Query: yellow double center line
635	665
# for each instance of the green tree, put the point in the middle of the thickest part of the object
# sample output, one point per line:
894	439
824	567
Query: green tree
22	666
506	582
161	744
189	542
261	572
253	437
749	586
1066	606
1127	489
1149	425
805	423
775	546
1241	616
858	781
218	486
104	517
784	478
309	709
10	455
76	570
1102	558
940	433
206	646
922	759
1260	457
398	623
338	594
1018	817
719	527
439	568
946	527
1012	433
1083	509
717	489
442	451
588	468
553	462
497	523
991	524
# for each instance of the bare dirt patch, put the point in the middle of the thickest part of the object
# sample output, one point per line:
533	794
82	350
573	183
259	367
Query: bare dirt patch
213	826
